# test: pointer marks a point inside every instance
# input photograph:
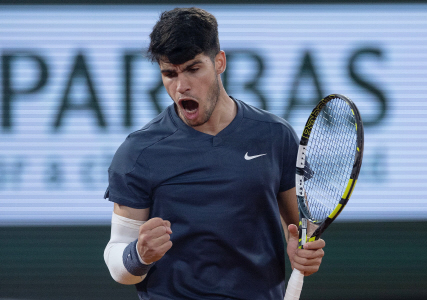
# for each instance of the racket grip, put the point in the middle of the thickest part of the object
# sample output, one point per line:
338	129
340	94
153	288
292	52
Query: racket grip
294	288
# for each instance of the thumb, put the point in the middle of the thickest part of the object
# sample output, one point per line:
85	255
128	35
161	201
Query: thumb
293	239
293	232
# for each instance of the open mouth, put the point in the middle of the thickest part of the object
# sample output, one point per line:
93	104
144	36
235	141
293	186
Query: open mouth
189	109
190	106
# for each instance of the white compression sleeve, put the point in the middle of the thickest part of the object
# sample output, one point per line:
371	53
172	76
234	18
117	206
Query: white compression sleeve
123	232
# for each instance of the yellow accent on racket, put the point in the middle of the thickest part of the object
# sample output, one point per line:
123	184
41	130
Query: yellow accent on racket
336	210
347	189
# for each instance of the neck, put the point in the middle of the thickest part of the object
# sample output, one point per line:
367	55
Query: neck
224	113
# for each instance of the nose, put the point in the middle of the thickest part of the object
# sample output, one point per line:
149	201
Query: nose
183	84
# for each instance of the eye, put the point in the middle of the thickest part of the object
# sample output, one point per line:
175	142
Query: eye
192	70
169	74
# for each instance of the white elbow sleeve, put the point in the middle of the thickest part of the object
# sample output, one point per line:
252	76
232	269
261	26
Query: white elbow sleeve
123	232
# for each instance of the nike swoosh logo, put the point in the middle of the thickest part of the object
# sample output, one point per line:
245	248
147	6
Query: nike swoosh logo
247	157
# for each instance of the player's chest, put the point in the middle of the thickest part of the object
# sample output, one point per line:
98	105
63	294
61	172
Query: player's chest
205	177
247	161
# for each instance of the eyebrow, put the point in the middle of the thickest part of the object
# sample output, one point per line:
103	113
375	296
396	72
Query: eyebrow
186	68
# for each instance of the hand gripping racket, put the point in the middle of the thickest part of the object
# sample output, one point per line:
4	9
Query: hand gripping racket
328	165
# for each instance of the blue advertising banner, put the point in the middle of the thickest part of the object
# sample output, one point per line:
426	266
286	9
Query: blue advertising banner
74	83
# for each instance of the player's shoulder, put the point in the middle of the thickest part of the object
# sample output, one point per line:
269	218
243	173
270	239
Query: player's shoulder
262	116
136	142
157	129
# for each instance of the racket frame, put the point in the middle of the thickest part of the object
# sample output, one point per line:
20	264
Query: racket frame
300	164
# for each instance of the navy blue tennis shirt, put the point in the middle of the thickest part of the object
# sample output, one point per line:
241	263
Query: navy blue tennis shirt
219	193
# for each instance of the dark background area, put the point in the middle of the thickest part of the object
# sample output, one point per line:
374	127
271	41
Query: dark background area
384	260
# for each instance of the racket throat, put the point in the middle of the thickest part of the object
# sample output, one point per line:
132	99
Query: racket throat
303	238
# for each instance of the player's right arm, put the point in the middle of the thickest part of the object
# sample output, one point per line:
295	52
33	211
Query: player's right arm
136	243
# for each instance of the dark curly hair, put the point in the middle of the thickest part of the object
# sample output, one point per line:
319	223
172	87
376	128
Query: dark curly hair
181	34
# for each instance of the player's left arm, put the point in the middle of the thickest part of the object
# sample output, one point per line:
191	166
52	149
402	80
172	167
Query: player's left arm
306	260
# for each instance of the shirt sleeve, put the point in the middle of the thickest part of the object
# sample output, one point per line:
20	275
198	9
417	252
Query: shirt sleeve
290	152
129	177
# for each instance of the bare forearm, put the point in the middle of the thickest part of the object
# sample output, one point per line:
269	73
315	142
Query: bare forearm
288	208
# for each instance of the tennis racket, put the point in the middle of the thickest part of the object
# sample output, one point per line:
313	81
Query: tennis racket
328	165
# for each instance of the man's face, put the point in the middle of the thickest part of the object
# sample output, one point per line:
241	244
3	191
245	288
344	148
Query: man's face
194	88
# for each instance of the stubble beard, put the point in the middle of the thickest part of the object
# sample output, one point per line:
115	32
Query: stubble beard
211	102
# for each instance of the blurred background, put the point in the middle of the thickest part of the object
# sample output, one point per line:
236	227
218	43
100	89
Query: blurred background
75	83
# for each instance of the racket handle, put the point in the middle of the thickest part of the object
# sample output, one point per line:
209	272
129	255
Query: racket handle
294	288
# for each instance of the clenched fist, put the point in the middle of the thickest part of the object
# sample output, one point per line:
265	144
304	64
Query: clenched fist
154	239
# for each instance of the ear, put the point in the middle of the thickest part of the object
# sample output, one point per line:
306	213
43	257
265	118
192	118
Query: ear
220	62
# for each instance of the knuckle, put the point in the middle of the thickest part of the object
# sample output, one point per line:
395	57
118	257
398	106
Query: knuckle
146	236
148	244
155	221
142	240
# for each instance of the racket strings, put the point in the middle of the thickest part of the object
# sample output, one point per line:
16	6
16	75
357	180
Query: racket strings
330	154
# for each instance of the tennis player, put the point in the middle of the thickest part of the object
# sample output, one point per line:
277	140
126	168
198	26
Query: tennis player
198	192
